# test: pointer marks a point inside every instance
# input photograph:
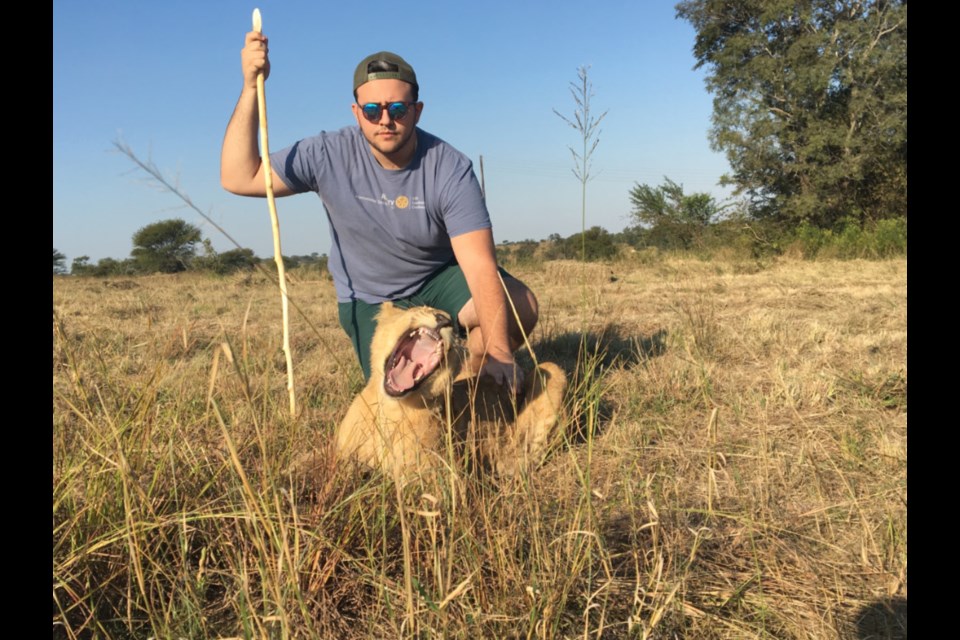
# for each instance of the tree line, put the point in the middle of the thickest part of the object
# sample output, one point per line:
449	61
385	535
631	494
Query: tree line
664	219
174	246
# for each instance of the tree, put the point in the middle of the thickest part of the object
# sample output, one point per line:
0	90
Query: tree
594	244
675	220
105	267
59	262
228	261
809	103
112	267
80	266
223	263
668	203
167	246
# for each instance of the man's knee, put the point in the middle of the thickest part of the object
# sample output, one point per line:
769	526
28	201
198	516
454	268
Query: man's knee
525	303
522	304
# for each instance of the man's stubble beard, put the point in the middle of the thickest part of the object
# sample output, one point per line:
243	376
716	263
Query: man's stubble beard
398	144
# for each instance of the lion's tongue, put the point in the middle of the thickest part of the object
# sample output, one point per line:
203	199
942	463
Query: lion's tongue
403	375
422	356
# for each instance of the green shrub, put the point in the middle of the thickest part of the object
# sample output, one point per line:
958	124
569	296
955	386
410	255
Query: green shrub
594	245
848	240
226	262
523	252
890	238
316	267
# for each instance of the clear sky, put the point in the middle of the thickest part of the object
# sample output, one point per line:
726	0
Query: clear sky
164	77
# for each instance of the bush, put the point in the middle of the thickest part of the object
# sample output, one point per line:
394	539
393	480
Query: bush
808	239
523	252
596	243
634	236
669	235
313	267
226	262
105	267
848	240
890	238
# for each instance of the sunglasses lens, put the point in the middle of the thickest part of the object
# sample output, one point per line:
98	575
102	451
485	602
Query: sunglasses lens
397	110
371	112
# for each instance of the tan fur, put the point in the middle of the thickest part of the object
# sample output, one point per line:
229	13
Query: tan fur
406	435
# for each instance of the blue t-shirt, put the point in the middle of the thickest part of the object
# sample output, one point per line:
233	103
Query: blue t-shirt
391	230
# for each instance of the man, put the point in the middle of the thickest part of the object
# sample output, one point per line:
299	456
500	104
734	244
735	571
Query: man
407	219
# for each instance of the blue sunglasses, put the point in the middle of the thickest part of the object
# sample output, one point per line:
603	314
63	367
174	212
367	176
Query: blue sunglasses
396	110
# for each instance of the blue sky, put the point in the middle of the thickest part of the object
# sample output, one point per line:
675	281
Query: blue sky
164	78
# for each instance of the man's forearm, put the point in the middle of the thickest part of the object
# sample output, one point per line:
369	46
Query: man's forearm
477	257
492	312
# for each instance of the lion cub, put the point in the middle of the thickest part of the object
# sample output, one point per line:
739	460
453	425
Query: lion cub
398	422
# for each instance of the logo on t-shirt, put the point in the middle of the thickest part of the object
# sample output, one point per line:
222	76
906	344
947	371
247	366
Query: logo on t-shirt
400	202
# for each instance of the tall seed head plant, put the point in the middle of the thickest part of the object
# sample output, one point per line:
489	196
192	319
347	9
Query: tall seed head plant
587	125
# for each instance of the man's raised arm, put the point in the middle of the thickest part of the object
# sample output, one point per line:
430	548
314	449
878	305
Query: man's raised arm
241	169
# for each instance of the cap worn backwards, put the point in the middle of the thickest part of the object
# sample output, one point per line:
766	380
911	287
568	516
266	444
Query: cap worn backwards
384	66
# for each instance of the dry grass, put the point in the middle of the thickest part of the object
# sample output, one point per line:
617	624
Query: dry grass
734	466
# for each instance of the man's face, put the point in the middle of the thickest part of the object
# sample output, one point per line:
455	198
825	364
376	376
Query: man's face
387	136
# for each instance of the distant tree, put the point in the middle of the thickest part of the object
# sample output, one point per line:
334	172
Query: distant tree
810	103
519	252
675	220
80	266
223	263
594	244
289	263
668	204
315	263
167	246
105	267
235	260
634	236
59	262
238	260
112	267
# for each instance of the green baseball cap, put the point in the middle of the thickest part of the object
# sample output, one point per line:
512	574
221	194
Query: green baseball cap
384	66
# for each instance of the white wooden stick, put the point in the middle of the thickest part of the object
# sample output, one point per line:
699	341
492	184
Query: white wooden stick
277	254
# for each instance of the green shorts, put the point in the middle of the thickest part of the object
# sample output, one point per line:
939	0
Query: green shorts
446	290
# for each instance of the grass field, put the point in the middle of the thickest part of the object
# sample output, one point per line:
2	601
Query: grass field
733	466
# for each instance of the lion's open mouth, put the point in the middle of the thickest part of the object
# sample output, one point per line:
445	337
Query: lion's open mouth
416	356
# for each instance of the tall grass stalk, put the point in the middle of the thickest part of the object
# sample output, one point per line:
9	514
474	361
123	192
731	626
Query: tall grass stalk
587	124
